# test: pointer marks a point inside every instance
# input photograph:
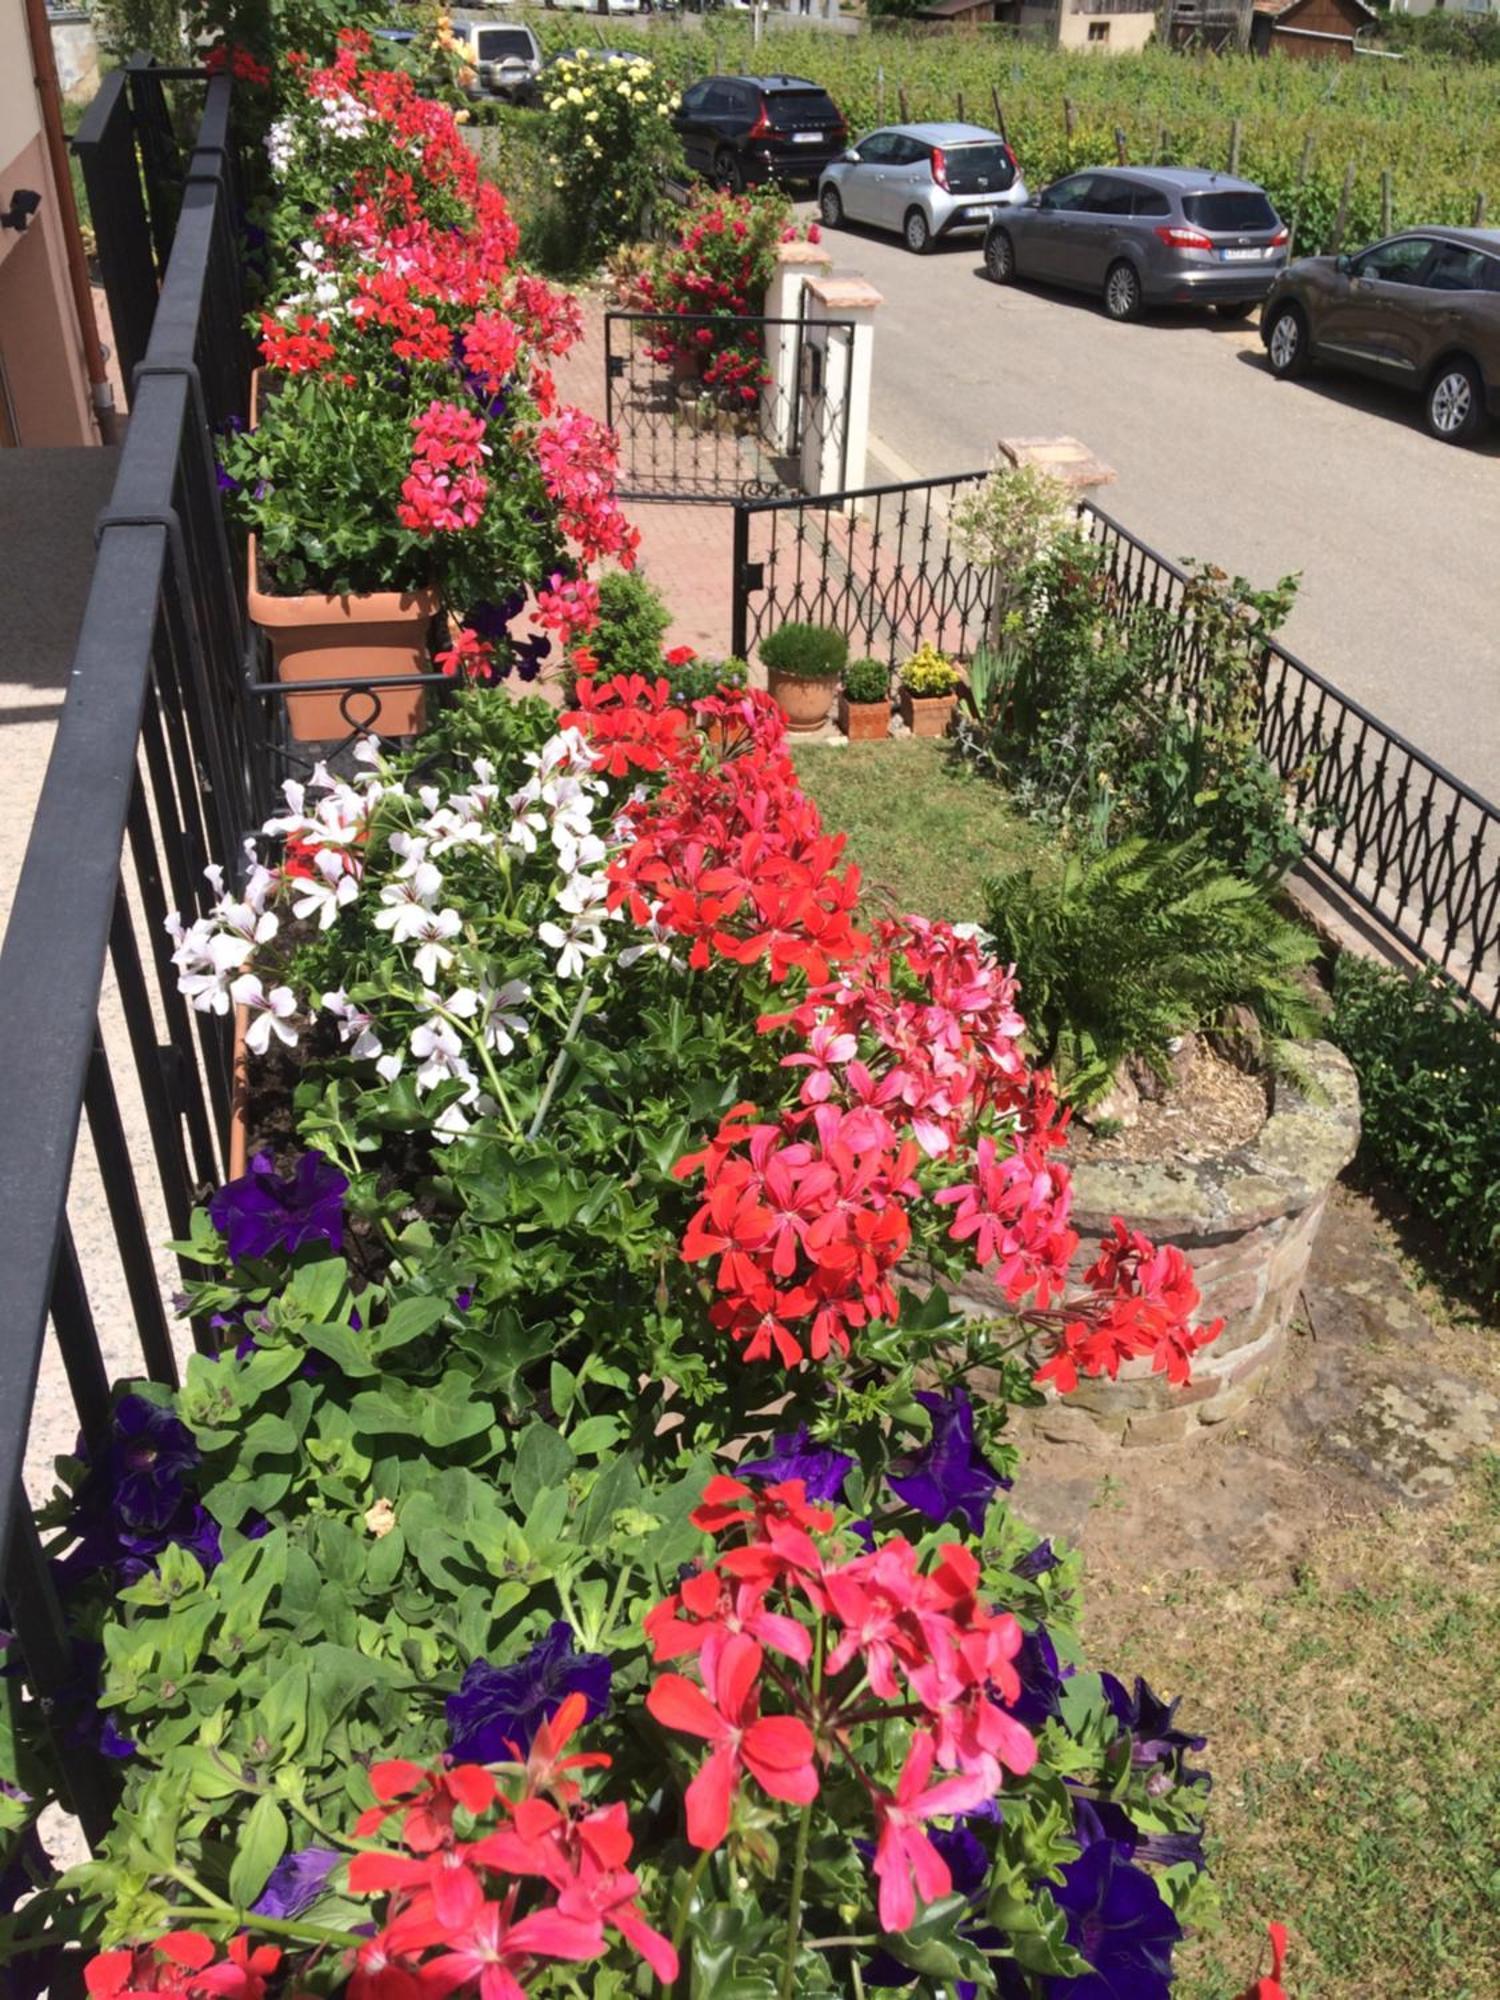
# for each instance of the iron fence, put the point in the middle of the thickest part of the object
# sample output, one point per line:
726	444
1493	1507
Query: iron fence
880	564
1412	845
714	406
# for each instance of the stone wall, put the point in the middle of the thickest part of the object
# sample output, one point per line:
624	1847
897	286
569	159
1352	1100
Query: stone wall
1247	1219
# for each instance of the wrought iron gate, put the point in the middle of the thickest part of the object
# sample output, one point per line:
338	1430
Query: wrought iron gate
713	406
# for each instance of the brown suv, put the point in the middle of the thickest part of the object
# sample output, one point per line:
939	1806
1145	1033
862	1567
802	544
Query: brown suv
1421	309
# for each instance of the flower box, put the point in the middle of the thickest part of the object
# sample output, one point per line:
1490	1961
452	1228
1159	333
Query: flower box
864	721
380	635
927	715
805	703
377	635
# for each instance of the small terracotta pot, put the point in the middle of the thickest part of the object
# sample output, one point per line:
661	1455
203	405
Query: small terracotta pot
804	703
380	635
864	721
927	715
239	1097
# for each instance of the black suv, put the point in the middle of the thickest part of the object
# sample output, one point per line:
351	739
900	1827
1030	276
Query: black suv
743	129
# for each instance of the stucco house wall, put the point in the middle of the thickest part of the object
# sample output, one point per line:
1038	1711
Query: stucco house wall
44	393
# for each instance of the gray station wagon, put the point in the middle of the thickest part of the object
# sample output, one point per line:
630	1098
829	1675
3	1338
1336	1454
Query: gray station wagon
926	182
1421	310
1145	236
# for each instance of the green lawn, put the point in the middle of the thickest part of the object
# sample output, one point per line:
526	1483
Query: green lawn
1357	1763
926	834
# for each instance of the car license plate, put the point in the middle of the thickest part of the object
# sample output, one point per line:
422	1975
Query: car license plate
977	214
806	138
1239	256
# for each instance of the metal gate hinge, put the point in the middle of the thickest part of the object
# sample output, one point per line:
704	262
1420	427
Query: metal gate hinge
752	576
614	367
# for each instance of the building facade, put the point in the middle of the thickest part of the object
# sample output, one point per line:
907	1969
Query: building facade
44	381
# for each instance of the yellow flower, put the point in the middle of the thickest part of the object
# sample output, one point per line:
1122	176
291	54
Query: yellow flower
575	95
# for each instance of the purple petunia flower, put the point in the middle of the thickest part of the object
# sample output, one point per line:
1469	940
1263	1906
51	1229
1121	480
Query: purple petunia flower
1041	1680
1119	1922
529	655
491	620
1158	1741
463	1298
822	1472
193	1528
226	483
1105	1819
146	1465
498	1710
949	1477
261	1212
1036	1562
113	1741
296	1882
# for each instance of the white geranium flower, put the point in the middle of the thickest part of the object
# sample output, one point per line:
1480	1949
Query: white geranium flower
407	903
355	1025
575	946
496	1010
390	1066
583	895
412	847
432	954
438	1048
269	1012
323	895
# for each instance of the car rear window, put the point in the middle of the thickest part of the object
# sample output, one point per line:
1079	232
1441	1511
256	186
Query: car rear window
1229	208
495	44
969	165
802	108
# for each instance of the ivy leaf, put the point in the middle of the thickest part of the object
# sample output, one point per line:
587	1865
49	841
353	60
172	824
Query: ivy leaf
262	1842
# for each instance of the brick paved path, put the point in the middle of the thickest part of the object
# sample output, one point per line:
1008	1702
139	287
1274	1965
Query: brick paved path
685	549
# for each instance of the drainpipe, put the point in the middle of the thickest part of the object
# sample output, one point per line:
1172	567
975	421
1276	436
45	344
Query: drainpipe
44	74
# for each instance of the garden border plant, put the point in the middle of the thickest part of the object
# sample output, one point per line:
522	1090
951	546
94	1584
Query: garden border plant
589	1123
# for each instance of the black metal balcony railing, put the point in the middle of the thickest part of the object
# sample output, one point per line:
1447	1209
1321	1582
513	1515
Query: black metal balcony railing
149	780
1413	846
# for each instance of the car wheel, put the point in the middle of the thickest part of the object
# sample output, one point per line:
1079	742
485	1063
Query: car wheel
999	256
728	173
1122	291
1286	343
1233	309
831	208
1455	402
917	232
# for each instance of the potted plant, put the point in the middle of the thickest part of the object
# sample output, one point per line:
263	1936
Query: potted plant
406	456
929	692
803	665
865	701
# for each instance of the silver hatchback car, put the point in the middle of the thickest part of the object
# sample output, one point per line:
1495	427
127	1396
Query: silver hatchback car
1146	236
923	181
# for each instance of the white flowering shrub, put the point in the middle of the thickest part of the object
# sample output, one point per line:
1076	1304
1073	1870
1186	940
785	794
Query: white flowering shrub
610	141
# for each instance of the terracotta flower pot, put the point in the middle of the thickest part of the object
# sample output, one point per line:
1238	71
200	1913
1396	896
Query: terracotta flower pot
804	703
381	635
927	715
864	721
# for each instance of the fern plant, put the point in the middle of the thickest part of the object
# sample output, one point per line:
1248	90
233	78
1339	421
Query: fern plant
1122	952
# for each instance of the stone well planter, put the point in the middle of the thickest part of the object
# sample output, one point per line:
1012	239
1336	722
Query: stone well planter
1247	1220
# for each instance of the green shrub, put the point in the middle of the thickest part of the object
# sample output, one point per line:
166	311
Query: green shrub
1429	1081
1120	953
867	682
696	680
1080	706
633	622
806	652
927	674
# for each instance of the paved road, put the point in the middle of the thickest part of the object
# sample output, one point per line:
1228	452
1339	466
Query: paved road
1397	536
